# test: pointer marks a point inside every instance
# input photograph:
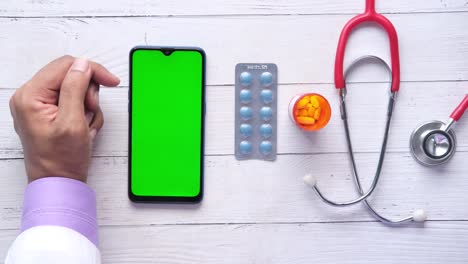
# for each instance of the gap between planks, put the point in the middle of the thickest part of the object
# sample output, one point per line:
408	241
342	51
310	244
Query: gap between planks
227	15
233	155
301	83
272	223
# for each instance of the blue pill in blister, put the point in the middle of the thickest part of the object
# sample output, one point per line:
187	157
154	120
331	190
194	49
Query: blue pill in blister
267	96
245	78
266	113
245	96
266	130
245	112
266	147
245	147
266	78
245	130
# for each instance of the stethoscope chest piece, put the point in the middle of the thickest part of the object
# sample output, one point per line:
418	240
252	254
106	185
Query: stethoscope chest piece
431	144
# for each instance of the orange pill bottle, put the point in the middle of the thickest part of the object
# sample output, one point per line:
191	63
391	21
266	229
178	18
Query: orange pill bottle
310	111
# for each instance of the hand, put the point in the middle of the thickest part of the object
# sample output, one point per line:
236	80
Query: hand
57	115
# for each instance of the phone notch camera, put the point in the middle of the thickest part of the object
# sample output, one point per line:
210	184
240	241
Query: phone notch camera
167	52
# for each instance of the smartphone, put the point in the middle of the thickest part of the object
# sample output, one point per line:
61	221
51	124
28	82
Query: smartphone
166	124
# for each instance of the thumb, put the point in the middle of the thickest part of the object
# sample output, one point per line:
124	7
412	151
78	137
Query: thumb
73	90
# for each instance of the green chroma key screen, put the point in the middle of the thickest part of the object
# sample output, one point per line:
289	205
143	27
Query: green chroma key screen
166	124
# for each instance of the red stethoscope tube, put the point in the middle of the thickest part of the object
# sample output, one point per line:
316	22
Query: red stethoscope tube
458	112
370	15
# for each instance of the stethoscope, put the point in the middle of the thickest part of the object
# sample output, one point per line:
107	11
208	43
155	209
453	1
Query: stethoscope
434	142
370	15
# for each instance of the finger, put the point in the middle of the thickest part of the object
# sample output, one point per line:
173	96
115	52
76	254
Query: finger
102	76
13	113
92	97
97	123
89	117
51	75
12	107
74	88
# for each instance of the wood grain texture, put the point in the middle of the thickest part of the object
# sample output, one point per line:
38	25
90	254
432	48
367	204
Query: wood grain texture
433	46
22	8
347	243
259	192
254	211
417	102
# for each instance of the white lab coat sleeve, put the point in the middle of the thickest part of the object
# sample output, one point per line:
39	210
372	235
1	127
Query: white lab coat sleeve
59	224
52	245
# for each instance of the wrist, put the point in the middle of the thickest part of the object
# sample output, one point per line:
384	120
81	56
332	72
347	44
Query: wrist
39	168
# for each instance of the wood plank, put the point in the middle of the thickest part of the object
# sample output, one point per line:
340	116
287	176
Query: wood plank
437	243
22	8
433	46
266	192
417	102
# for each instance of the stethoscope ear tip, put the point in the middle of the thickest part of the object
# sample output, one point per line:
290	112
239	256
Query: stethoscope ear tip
419	215
310	180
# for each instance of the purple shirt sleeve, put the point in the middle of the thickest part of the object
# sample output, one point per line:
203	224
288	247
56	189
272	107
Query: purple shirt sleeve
61	202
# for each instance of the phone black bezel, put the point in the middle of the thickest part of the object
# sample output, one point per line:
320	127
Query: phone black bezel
166	199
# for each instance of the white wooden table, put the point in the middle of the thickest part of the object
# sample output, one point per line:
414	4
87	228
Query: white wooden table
255	211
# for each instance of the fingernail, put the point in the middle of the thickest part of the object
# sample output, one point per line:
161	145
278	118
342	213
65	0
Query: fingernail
89	117
80	64
92	133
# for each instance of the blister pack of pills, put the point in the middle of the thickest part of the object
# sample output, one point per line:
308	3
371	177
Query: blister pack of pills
256	108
